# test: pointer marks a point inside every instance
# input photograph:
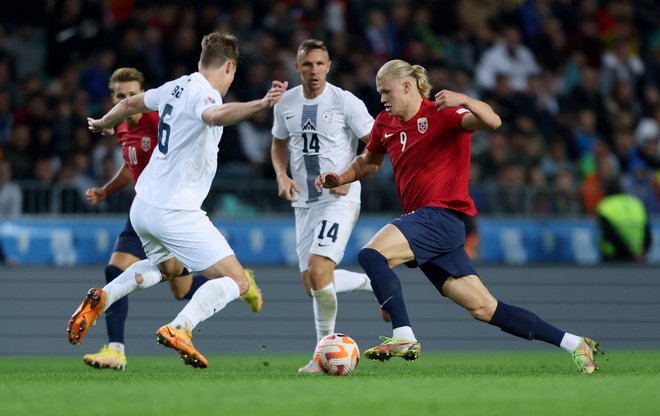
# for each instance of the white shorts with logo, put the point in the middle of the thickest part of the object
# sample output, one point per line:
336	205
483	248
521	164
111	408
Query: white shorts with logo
324	229
190	236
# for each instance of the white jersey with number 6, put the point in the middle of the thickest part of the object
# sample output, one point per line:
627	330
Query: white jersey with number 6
323	136
182	167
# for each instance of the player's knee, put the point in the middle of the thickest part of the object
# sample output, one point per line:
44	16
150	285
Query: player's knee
111	272
482	312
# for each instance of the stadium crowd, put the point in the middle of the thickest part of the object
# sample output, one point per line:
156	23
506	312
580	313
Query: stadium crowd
576	82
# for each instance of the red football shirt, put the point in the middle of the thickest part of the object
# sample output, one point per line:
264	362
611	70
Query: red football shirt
430	156
139	142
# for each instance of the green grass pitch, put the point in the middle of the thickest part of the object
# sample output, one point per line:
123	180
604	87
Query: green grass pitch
501	383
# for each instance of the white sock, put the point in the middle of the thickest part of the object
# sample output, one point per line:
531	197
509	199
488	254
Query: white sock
210	298
570	342
117	346
325	310
126	283
346	281
404	332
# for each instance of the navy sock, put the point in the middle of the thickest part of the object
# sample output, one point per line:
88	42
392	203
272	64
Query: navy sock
386	286
197	281
115	315
525	324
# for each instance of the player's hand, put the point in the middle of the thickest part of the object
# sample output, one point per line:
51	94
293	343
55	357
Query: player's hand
327	180
341	189
451	99
96	126
96	195
274	93
287	188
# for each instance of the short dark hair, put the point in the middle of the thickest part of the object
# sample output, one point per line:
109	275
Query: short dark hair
218	48
311	44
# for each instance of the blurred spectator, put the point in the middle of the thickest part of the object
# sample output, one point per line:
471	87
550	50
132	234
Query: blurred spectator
566	200
74	182
623	223
507	56
556	159
6	116
605	169
39	195
620	64
11	199
255	139
587	95
11	202
17	152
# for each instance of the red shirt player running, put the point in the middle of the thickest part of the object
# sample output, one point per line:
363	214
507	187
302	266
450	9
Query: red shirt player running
429	146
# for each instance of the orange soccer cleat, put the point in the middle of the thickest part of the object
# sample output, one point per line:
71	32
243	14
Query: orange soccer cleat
180	340
85	316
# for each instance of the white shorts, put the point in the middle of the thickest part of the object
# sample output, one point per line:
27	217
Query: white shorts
324	229
190	236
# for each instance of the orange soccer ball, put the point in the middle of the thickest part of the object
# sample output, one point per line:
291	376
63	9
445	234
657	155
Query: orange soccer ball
337	354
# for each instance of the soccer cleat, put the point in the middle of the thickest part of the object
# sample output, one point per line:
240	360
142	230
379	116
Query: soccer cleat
180	340
106	358
253	295
394	347
85	316
584	355
310	368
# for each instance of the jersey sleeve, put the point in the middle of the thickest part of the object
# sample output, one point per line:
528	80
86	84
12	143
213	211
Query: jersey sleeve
279	129
358	118
152	98
375	145
454	117
204	99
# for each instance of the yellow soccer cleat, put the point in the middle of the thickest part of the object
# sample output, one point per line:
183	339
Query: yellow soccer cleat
106	358
85	316
394	347
583	356
253	296
180	340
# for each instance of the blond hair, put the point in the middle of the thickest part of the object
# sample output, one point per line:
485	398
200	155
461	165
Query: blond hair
126	75
402	69
218	48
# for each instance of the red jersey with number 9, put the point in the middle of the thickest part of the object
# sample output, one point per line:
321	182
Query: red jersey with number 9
138	143
430	155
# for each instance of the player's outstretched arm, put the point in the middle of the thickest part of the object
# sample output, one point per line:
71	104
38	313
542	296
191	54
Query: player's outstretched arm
232	113
362	166
125	108
481	117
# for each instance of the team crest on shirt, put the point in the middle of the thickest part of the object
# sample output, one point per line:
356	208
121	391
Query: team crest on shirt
308	126
327	116
146	144
422	124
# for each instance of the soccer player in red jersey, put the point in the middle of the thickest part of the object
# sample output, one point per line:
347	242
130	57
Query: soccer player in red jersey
429	146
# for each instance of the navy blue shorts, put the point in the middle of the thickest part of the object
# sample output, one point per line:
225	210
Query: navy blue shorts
437	239
129	242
